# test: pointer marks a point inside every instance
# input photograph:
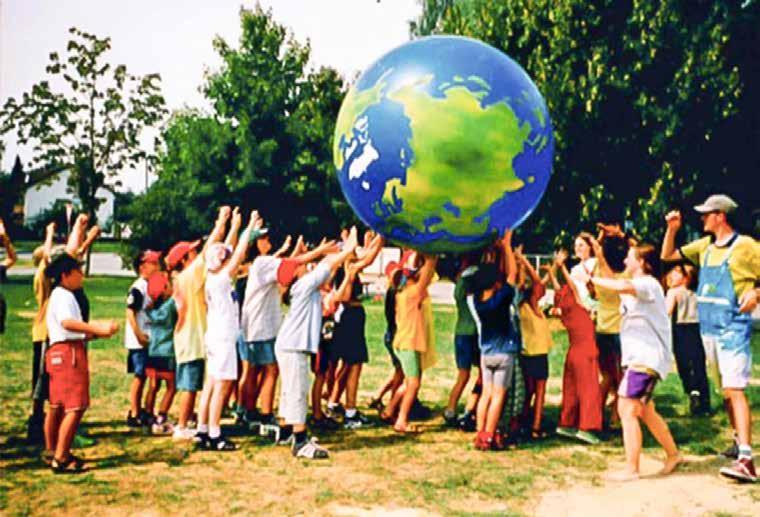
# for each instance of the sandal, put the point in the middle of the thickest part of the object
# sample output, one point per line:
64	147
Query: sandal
47	457
387	419
72	465
409	429
376	404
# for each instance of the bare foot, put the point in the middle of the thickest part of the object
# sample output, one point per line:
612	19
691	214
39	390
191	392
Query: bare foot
622	476
671	462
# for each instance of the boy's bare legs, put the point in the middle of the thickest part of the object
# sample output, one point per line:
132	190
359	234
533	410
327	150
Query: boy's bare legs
52	426
267	386
407	400
168	398
135	395
463	376
186	406
483	403
495	407
150	396
219	391
66	434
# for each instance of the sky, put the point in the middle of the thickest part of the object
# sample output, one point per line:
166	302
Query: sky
173	38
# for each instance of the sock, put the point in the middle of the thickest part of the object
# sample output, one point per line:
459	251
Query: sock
745	451
449	414
332	405
161	418
351	413
239	409
300	437
285	432
203	428
214	432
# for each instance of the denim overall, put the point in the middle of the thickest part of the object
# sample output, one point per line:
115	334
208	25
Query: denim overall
719	318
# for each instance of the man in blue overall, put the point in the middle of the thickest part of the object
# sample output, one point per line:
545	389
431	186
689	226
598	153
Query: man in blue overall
726	296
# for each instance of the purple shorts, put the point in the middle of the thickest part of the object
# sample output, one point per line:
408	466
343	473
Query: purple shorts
637	385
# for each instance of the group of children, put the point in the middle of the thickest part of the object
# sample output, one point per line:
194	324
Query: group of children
208	318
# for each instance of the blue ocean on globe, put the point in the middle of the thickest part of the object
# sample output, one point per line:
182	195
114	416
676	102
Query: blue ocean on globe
442	144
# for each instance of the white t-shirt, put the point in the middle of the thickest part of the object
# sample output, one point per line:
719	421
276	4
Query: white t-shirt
62	306
137	300
645	328
302	325
581	274
262	314
222	305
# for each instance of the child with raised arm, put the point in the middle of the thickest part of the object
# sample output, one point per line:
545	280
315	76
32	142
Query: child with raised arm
66	361
537	341
414	342
223	327
646	345
490	306
188	269
137	335
581	413
161	365
298	340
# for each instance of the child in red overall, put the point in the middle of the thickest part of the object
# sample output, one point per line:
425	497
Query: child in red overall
581	414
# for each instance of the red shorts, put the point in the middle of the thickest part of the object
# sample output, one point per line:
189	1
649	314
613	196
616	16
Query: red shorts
158	374
66	364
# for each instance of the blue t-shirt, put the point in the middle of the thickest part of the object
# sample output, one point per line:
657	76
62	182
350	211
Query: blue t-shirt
494	319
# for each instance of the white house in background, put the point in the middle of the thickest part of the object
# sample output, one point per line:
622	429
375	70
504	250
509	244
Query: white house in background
38	199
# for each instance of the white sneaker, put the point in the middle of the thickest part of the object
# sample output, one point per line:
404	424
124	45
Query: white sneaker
183	433
311	450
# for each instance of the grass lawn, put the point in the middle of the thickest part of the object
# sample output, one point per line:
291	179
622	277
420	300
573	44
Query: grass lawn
437	472
100	246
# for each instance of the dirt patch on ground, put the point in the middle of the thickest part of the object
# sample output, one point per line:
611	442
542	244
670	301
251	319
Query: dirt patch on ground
696	489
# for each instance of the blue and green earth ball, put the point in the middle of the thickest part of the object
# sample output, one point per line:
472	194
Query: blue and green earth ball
442	144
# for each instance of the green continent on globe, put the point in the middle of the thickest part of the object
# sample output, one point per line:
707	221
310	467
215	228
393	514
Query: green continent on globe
450	135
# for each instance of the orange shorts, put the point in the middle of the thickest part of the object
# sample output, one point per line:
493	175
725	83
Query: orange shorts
66	364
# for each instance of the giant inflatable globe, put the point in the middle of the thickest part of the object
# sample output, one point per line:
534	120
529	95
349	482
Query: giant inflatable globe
442	144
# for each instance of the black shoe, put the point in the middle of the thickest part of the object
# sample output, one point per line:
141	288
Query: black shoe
145	418
324	424
355	422
467	422
419	411
202	441
133	421
450	421
731	452
221	444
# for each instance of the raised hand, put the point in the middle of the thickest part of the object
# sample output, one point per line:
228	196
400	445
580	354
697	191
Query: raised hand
224	213
50	228
560	256
674	220
92	234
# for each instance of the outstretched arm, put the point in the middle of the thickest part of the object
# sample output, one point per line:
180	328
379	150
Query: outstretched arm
242	244
324	248
47	246
559	260
77	235
619	285
5	241
96	329
510	264
219	226
232	234
373	251
529	269
284	248
427	272
334	260
92	234
602	265
669	252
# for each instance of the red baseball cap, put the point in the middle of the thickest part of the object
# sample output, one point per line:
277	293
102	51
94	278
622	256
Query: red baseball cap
178	252
286	272
150	256
157	284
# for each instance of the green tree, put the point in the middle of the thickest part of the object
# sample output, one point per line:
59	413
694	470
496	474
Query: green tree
92	126
647	99
266	145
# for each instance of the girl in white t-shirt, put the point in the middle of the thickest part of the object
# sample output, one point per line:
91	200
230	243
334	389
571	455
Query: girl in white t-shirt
222	329
646	357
